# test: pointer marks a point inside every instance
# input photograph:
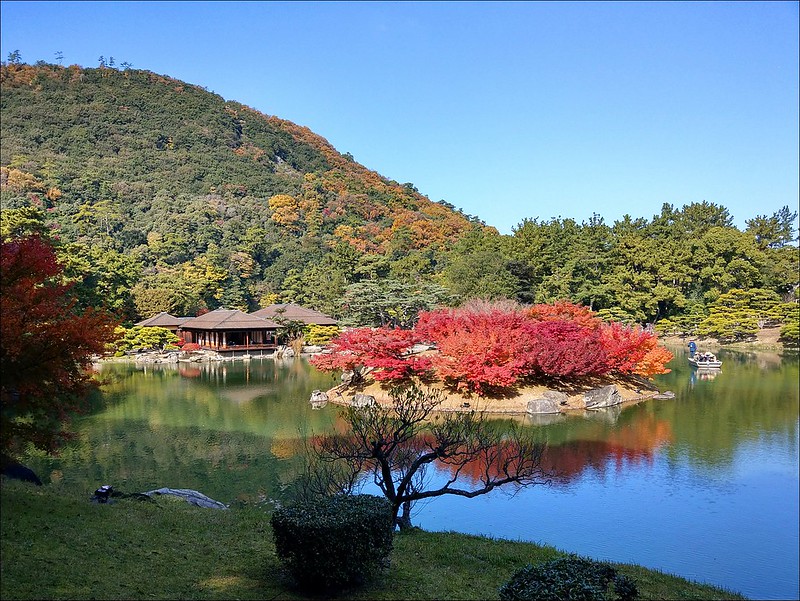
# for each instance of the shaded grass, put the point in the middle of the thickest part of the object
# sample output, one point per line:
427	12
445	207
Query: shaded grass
55	544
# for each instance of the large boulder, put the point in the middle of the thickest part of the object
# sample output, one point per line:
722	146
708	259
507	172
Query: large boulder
361	400
318	399
598	398
538	406
554	395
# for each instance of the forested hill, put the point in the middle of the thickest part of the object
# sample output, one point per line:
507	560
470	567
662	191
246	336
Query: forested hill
166	197
168	172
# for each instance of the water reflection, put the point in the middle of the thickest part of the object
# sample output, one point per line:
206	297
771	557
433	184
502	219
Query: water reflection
679	476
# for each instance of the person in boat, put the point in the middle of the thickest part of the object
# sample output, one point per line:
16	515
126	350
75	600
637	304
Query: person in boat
692	348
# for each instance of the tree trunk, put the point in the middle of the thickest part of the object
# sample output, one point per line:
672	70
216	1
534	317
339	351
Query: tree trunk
404	521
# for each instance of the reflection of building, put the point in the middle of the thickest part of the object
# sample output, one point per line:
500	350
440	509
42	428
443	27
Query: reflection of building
230	331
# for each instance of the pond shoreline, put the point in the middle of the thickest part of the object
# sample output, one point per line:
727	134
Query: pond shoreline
767	339
631	391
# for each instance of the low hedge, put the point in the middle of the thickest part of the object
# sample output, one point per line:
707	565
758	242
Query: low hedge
569	578
335	542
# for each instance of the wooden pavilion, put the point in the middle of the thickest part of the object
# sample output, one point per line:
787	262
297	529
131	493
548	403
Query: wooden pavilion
231	332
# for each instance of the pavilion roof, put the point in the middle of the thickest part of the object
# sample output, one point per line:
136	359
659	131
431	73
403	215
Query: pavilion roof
162	320
293	312
229	319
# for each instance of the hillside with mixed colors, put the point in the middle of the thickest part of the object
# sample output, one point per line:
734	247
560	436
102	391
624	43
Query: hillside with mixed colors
163	196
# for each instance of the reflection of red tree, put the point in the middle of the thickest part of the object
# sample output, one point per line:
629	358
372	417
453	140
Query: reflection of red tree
190	372
632	444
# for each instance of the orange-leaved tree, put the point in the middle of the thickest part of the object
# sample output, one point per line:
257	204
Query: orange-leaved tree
45	344
485	346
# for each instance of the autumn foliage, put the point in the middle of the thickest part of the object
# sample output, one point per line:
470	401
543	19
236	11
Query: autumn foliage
483	346
385	350
44	346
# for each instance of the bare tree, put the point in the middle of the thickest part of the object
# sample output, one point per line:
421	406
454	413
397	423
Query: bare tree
398	444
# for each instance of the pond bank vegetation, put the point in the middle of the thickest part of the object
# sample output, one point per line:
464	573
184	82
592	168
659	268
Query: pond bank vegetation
56	544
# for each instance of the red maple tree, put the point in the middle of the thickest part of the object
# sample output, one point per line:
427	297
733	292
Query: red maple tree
495	345
385	350
480	345
565	348
45	345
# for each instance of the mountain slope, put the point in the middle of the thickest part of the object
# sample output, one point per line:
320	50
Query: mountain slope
168	173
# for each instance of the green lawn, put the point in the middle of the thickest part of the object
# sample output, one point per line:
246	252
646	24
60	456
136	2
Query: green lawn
58	545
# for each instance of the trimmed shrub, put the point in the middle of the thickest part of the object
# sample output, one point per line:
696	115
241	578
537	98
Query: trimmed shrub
570	578
334	542
320	335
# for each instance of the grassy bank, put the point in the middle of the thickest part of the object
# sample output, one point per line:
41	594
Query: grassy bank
58	545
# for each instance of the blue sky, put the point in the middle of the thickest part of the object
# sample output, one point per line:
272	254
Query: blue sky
508	110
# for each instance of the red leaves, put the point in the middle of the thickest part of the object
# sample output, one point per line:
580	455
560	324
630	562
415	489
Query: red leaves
632	350
480	345
497	345
566	311
44	345
384	349
565	348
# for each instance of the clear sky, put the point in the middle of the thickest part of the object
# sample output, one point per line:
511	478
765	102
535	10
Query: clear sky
508	110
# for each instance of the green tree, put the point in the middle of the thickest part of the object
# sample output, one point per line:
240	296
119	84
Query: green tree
23	222
790	326
775	231
102	277
739	314
140	338
479	266
390	302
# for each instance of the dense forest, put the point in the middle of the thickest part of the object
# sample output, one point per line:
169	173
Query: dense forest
163	196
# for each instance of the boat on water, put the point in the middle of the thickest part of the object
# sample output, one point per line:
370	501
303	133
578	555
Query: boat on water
705	360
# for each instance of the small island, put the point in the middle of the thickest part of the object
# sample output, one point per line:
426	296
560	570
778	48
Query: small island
500	358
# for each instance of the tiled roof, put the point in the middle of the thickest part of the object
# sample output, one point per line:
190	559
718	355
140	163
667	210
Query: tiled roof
163	320
292	312
229	319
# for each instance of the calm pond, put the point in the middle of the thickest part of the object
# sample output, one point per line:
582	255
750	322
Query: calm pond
704	485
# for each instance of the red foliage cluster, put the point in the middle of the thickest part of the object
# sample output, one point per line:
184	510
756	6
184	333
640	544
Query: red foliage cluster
495	345
566	311
44	345
383	349
480	345
190	346
564	348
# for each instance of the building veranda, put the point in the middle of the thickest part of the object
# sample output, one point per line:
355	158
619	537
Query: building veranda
232	332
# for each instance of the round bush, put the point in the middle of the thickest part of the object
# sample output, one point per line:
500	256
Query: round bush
334	542
570	578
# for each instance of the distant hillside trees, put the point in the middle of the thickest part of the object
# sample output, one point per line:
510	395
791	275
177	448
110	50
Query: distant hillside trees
165	197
